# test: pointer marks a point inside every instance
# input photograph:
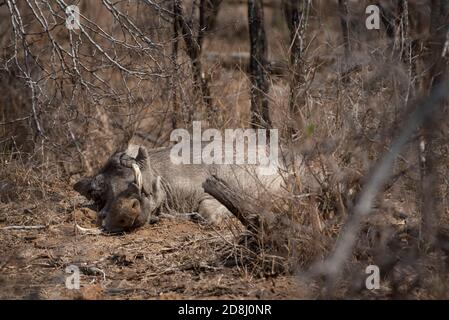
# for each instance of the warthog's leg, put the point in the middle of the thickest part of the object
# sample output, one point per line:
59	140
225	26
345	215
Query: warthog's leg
212	210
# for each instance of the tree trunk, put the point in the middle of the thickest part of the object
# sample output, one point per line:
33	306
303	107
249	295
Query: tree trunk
430	181
193	49
293	12
211	12
174	58
260	114
344	21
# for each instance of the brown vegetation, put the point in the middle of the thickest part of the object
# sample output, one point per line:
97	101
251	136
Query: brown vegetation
364	112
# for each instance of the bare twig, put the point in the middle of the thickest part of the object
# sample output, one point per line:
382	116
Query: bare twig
88	231
37	227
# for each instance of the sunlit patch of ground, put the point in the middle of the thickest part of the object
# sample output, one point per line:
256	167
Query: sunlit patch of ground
174	259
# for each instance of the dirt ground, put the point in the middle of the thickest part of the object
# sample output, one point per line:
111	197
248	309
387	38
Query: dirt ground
173	259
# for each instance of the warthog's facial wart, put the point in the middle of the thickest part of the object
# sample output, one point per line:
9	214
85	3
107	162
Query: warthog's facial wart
125	190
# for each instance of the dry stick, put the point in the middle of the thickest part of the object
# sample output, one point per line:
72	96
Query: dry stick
345	244
14	121
244	210
92	270
38	227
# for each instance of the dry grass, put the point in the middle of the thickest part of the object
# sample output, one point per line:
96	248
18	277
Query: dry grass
352	110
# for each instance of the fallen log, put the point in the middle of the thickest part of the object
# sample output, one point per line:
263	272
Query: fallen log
273	238
252	215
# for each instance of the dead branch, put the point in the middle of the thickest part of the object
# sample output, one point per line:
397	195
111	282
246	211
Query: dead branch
247	212
38	227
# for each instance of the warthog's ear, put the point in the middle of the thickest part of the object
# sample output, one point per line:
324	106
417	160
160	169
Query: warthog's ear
91	188
84	187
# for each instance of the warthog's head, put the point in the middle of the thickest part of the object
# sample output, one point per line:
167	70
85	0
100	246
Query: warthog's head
127	191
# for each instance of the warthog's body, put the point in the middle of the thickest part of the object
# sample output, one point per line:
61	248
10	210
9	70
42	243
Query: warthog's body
128	200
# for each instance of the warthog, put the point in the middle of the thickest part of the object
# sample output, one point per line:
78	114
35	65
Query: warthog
137	184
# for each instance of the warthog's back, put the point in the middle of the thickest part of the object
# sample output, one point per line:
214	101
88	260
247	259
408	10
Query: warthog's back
190	177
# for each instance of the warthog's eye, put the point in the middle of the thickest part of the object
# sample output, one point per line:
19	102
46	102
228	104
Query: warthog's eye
135	204
133	189
97	197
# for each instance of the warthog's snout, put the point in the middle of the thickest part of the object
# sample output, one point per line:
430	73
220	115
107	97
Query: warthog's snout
123	215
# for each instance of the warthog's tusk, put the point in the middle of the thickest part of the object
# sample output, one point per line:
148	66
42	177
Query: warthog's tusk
137	175
87	230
